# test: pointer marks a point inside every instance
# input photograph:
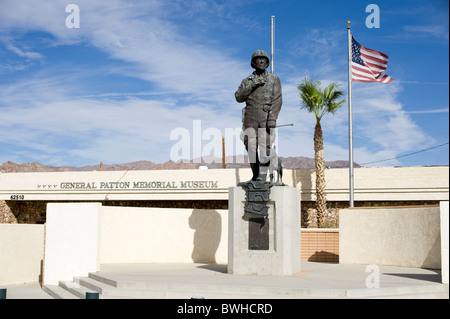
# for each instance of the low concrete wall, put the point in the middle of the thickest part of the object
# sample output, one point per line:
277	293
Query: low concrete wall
385	236
71	241
81	236
163	235
21	253
444	241
408	236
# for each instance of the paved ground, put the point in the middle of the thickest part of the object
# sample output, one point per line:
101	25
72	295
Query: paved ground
319	280
26	291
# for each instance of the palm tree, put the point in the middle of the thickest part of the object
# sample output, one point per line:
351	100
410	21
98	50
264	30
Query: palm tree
319	102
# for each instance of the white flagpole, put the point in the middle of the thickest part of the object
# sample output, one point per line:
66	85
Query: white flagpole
350	119
272	43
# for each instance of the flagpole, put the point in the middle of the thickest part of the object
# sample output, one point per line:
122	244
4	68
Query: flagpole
272	43
350	119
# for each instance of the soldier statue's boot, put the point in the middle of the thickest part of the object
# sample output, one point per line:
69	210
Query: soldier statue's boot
255	171
261	178
263	172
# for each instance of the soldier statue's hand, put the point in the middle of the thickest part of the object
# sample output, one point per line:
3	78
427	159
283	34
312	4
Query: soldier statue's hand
256	81
271	123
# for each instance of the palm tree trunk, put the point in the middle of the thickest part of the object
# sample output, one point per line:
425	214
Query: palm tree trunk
321	201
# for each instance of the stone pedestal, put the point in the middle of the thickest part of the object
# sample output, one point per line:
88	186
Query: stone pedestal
283	256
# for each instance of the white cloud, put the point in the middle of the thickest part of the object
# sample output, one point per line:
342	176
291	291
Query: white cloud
86	130
192	77
441	110
435	31
46	108
158	49
24	54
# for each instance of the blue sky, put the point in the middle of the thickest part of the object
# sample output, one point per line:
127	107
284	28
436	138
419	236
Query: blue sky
134	72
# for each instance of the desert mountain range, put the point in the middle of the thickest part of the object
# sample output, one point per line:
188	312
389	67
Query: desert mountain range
230	161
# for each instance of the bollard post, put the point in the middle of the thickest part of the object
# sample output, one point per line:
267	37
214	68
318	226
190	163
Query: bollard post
2	293
92	295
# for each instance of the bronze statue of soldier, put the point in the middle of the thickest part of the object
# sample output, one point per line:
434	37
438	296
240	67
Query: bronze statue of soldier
261	92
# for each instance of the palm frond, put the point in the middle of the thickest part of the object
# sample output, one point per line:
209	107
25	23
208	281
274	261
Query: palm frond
331	96
311	96
319	102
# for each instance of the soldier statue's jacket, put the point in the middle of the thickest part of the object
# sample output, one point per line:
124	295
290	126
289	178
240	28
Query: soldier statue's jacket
262	94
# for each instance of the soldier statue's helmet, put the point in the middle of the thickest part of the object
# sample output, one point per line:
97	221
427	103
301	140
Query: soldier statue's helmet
258	54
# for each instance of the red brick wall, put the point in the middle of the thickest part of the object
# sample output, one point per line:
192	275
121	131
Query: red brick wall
320	245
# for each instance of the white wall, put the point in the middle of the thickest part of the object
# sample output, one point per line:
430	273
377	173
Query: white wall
81	236
164	235
72	241
407	236
21	253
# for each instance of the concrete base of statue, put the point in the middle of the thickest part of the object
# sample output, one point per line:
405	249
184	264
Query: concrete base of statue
281	256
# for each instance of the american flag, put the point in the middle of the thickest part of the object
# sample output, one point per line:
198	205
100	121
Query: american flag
368	65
